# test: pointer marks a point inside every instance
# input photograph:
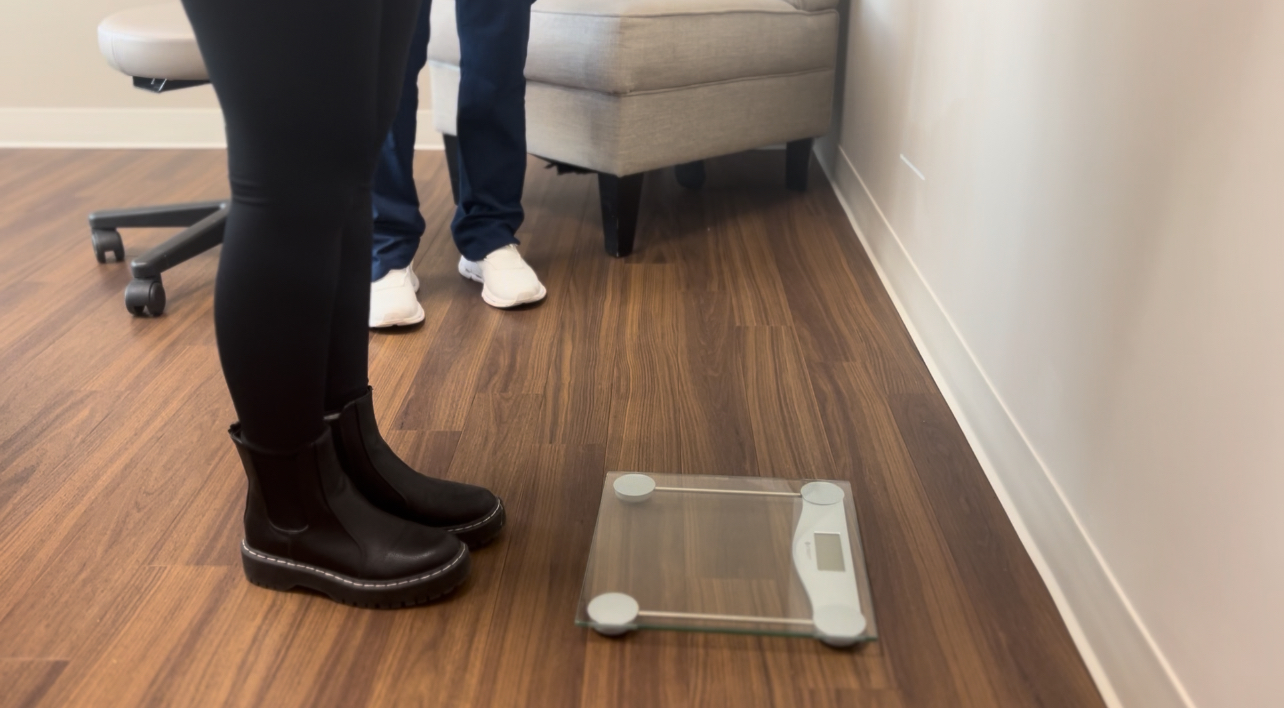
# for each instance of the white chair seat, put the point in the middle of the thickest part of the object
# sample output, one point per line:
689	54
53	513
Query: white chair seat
154	42
626	46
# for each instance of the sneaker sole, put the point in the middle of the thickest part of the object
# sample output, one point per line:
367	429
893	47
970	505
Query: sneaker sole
493	301
275	573
481	532
412	320
505	304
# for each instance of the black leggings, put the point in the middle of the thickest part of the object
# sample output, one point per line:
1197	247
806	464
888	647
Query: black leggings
308	89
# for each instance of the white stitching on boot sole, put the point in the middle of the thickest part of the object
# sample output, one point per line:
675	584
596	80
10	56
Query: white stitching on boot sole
454	529
459	557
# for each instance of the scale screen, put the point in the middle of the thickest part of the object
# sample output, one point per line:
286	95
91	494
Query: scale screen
829	552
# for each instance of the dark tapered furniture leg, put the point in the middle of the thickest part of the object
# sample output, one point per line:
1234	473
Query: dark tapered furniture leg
620	199
797	164
452	163
690	174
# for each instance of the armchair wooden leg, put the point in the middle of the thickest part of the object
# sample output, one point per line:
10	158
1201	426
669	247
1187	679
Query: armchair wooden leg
452	163
620	199
797	164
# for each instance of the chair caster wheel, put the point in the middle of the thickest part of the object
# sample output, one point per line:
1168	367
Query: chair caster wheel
107	241
145	297
690	174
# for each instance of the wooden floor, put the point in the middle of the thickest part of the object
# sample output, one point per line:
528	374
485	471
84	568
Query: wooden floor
748	335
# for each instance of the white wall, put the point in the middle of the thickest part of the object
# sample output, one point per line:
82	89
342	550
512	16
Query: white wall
1093	262
56	90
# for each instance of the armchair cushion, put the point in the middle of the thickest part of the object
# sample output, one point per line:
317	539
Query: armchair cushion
622	47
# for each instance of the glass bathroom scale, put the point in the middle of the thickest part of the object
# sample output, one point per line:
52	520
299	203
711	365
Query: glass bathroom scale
747	555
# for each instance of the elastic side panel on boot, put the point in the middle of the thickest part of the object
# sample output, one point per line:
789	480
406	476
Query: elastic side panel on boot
275	480
365	447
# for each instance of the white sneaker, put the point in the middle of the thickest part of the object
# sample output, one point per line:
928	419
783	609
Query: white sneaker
506	279
393	301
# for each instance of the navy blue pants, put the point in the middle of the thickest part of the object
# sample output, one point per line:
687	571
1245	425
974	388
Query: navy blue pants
491	127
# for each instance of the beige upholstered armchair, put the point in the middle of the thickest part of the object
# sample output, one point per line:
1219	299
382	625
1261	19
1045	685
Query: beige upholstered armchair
621	87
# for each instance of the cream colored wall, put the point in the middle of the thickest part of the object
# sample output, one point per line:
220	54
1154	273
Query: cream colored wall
55	88
49	51
1093	251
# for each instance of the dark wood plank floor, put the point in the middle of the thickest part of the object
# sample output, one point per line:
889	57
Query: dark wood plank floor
748	335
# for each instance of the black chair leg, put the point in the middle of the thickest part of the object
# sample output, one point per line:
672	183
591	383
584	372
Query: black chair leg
145	294
452	163
797	164
182	246
103	224
168	215
690	174
620	197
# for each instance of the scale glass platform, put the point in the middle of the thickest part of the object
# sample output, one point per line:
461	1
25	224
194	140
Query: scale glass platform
727	554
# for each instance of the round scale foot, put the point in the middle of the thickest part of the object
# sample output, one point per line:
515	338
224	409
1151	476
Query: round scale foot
633	488
822	493
613	613
838	626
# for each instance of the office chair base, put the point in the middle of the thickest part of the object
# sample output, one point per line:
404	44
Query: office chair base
145	295
107	241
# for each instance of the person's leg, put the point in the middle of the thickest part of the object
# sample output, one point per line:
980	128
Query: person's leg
491	127
296	85
348	358
295	248
398	224
472	514
298	81
491	123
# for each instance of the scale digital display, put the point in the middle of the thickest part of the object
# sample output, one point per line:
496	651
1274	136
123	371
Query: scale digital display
829	552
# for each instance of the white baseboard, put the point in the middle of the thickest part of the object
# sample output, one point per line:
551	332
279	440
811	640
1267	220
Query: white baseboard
134	128
1127	665
111	128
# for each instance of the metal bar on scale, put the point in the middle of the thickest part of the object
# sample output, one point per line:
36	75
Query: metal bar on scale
745	492
722	618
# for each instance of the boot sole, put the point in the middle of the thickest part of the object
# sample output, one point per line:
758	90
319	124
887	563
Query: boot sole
276	573
481	532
